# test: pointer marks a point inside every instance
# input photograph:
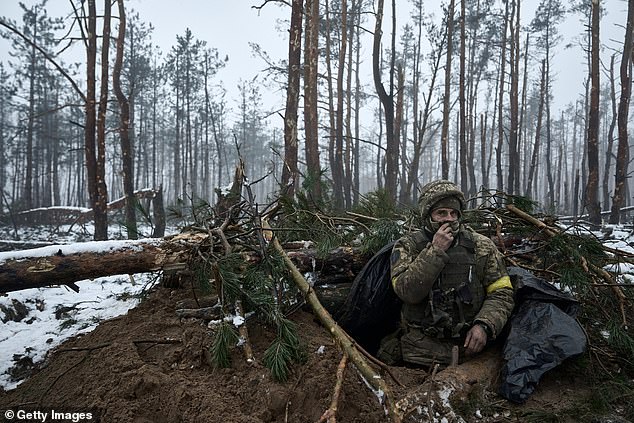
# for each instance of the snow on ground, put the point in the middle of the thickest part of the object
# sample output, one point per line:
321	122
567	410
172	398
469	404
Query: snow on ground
57	313
621	239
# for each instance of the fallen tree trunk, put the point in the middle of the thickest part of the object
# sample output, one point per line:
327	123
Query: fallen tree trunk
66	264
434	398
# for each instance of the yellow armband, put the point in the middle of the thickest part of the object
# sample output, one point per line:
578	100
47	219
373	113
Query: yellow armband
503	282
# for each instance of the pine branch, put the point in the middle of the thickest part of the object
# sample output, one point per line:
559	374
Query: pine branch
338	333
590	267
220	348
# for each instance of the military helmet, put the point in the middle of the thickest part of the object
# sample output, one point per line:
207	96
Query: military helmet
436	191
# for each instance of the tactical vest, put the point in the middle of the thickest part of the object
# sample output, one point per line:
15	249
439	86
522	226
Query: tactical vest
456	296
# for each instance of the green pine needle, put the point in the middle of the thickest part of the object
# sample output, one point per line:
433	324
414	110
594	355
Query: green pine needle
202	275
620	340
382	232
523	203
285	349
277	358
229	268
224	338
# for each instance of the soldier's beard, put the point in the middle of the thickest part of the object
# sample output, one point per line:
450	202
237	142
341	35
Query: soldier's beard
434	226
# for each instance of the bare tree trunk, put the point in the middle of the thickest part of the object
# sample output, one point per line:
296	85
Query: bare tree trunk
178	116
462	132
158	214
398	115
3	117
549	165
348	156
592	188
28	182
387	100
521	140
289	171
100	207
575	207
337	183
338	173
126	145
357	117
474	75
514	159
380	162
444	136
623	153
540	113
94	161
313	168
498	152
483	149
90	105
493	126
575	159
207	184
610	146
566	176
406	194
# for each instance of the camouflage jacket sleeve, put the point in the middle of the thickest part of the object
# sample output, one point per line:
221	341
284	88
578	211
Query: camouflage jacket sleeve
498	304
414	270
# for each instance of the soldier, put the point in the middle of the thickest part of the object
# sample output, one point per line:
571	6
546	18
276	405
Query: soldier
453	283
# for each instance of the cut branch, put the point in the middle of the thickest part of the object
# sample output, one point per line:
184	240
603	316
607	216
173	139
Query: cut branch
330	415
374	379
602	274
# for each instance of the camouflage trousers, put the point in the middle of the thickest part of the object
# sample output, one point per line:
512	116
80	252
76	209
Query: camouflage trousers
412	346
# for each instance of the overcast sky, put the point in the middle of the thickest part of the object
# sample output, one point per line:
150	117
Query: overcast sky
229	26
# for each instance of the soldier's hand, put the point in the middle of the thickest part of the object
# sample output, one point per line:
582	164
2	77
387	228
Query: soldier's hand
443	238
476	340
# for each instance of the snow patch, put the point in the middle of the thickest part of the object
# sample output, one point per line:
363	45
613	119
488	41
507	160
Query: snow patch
56	314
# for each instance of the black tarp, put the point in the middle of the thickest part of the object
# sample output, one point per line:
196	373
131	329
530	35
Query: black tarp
372	309
543	333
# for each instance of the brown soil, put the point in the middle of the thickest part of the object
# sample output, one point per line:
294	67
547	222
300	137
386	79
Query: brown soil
150	366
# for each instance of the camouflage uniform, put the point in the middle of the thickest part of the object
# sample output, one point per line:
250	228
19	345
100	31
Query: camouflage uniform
446	292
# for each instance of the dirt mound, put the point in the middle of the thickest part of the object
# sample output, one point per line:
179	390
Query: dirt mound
151	366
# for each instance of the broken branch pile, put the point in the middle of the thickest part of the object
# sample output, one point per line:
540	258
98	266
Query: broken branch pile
579	261
242	254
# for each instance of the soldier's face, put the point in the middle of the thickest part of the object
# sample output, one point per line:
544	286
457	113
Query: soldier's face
444	215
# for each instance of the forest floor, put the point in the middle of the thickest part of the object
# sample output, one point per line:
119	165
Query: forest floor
150	366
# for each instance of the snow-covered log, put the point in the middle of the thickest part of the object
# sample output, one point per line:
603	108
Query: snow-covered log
67	264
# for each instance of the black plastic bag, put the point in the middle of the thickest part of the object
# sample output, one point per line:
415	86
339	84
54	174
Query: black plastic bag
372	308
543	333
